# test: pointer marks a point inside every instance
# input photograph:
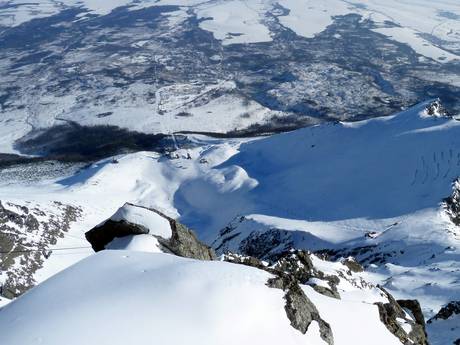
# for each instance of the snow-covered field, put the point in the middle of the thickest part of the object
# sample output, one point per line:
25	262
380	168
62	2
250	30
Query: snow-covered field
240	21
133	297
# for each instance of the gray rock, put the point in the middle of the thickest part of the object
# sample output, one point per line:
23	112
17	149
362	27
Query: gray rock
102	235
353	265
452	203
326	291
391	311
452	308
289	272
183	241
26	234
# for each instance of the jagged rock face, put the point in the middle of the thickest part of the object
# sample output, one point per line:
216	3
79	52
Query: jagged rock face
436	109
261	244
26	234
182	241
414	307
301	312
452	308
452	203
394	317
266	244
289	272
353	265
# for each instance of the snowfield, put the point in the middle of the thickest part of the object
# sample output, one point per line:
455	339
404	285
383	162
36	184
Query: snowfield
132	297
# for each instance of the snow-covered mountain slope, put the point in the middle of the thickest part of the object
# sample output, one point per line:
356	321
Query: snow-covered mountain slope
121	297
372	189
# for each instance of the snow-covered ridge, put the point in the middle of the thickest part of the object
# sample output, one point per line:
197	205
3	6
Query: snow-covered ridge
161	292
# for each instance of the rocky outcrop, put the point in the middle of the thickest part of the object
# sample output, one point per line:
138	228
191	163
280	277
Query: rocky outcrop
352	264
262	244
182	242
452	203
289	273
395	318
436	109
102	235
450	309
27	232
300	310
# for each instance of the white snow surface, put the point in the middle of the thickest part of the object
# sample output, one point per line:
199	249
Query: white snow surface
121	297
155	223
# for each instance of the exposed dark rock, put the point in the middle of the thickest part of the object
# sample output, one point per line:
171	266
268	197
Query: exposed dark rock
452	308
265	244
298	264
391	312
414	307
326	291
289	272
452	203
352	265
300	310
183	241
436	108
245	260
102	235
261	244
26	233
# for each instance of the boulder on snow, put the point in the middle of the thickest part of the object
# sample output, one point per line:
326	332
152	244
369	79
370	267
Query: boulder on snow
172	236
